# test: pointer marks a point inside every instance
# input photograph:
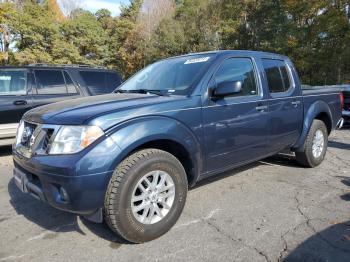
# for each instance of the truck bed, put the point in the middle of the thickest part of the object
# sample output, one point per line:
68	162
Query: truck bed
329	95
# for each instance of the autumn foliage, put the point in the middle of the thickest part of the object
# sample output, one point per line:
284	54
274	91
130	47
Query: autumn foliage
314	33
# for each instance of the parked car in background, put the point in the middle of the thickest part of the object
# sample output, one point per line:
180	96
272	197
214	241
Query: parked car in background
24	88
129	157
346	109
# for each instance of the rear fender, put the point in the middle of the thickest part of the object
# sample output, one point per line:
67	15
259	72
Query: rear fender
314	110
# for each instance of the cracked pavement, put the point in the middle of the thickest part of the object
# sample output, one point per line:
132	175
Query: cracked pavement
272	210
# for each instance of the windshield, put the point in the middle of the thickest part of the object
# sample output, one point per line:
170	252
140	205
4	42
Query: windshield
13	82
171	76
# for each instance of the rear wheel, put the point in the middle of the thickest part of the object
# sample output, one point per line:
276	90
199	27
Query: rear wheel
315	146
146	195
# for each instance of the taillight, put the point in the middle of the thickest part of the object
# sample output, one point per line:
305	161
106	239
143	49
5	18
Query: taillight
341	97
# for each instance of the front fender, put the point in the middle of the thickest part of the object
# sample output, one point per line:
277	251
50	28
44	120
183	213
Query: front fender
134	133
314	110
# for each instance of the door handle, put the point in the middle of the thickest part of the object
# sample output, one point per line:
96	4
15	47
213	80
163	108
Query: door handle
261	108
295	103
20	102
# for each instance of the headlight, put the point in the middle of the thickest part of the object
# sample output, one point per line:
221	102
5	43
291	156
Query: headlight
19	132
72	139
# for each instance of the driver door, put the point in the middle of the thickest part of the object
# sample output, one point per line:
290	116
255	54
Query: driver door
236	127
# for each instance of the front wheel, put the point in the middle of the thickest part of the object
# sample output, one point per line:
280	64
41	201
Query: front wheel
145	195
315	146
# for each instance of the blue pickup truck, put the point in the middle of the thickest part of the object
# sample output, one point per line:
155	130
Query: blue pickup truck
129	157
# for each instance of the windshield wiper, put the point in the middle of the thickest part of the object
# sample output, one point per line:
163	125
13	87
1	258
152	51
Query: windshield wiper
119	91
144	91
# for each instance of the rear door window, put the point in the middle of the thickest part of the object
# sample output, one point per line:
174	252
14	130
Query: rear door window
277	75
13	82
50	82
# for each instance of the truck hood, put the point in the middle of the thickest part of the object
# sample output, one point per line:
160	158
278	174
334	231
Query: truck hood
79	111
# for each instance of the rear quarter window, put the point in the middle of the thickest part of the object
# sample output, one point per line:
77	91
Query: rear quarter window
113	81
277	75
100	82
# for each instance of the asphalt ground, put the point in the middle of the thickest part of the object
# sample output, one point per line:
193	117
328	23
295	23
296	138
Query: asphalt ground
272	210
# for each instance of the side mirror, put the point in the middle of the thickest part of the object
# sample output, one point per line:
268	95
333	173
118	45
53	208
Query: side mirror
228	88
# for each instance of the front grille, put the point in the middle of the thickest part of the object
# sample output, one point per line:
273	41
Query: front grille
47	140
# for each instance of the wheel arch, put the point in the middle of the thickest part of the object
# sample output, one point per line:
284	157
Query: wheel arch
325	118
161	133
176	149
318	110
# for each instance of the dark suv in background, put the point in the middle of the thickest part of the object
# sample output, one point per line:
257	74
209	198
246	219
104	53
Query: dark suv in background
23	88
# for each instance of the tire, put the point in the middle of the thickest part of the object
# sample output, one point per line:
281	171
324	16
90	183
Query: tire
307	157
125	184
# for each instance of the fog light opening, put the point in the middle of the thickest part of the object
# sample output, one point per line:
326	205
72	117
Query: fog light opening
63	195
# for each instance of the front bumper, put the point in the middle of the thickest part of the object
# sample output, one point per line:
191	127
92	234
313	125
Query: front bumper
75	183
83	195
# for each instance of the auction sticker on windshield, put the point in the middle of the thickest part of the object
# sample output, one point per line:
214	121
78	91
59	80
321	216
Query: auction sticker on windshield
197	60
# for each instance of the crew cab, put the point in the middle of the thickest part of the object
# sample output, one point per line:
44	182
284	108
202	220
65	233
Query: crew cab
23	88
130	156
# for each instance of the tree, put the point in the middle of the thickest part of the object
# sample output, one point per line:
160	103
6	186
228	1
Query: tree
317	30
54	8
7	11
35	29
86	33
152	12
129	55
68	6
314	33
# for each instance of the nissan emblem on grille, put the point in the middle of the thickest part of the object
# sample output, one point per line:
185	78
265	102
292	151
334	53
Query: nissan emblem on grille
31	141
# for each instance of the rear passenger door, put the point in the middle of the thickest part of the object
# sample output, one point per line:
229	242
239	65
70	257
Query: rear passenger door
52	85
285	104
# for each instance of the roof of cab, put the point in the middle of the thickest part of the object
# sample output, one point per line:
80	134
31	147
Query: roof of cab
260	54
56	66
